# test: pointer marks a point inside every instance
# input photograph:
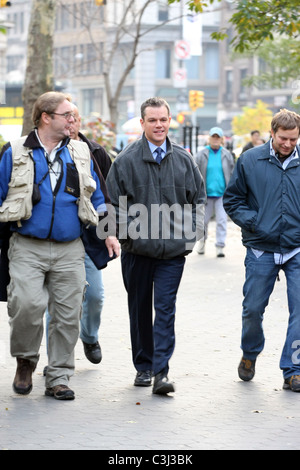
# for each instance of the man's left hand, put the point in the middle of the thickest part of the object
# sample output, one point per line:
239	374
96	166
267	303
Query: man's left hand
113	246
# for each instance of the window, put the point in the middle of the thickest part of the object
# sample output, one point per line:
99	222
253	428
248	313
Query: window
13	62
211	60
88	59
192	67
163	11
163	63
229	85
92	101
243	89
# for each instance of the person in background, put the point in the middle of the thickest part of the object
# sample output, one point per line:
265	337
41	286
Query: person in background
216	165
263	199
255	136
153	173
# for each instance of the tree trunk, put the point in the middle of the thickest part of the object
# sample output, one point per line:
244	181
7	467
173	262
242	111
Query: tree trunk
39	71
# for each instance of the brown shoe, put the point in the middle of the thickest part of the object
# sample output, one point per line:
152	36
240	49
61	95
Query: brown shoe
23	379
246	369
292	383
60	392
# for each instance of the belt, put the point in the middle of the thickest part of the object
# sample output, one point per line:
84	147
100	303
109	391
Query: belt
39	239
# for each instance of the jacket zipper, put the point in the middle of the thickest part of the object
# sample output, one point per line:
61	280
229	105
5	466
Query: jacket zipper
160	201
54	196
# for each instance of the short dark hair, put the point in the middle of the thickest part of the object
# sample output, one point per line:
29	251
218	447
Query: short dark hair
285	119
155	102
255	132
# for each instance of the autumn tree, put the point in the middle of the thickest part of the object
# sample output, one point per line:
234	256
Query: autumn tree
258	118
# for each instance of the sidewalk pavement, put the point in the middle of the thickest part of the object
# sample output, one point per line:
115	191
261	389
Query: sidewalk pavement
211	409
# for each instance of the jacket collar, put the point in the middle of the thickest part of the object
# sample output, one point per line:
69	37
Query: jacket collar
32	141
266	153
147	154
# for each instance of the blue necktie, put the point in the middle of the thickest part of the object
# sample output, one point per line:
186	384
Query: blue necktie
158	155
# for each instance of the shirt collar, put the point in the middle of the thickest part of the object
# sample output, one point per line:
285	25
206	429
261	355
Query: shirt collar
153	147
290	158
53	152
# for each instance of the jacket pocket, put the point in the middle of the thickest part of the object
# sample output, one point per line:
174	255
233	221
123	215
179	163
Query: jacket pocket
72	181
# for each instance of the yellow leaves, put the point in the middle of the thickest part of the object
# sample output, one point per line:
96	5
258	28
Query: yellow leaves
257	118
294	27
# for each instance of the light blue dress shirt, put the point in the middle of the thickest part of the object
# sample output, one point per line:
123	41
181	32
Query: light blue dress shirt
153	148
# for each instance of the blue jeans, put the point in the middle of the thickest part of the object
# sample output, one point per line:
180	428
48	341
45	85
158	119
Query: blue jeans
261	274
149	282
92	304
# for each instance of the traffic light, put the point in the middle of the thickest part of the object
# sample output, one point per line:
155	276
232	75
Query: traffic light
100	2
180	118
196	99
4	3
200	99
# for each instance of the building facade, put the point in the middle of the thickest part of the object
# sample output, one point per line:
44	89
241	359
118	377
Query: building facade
94	44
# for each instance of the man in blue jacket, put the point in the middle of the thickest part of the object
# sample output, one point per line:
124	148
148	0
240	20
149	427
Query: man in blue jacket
48	190
263	198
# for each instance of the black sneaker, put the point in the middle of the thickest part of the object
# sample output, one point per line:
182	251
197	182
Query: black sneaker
93	352
246	369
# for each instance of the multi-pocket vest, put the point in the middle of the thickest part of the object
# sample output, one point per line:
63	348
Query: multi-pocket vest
18	203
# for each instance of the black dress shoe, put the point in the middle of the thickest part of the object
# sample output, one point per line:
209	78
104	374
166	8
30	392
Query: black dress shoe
143	378
162	386
93	352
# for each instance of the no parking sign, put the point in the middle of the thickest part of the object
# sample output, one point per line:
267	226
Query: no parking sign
180	78
182	50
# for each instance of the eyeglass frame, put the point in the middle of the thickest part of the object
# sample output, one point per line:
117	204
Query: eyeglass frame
66	115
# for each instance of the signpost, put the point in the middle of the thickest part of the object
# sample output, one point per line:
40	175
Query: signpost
180	78
182	50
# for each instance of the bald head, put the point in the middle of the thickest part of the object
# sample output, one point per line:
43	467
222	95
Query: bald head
75	127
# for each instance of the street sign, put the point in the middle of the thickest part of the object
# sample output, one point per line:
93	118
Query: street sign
180	78
182	50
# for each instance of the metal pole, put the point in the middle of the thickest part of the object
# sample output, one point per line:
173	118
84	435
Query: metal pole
191	138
